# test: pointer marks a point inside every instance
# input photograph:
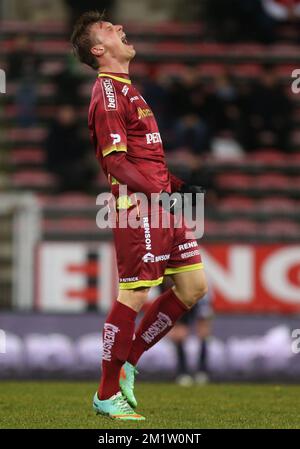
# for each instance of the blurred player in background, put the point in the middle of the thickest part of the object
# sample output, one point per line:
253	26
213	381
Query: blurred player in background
200	317
128	146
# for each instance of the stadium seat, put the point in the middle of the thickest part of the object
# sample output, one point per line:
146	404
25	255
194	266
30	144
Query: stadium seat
27	156
268	156
281	228
283	51
140	69
248	49
211	70
285	70
234	181
72	200
211	227
277	204
170	29
22	135
69	225
16	26
46	90
294	158
33	179
52	47
50	68
247	70
273	181
296	137
237	204
172	47
239	227
167	70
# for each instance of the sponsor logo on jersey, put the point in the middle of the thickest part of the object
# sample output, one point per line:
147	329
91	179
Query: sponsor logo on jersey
153	138
125	90
187	245
190	254
109	336
132	99
133	279
163	321
149	257
144	113
147	233
162	257
109	95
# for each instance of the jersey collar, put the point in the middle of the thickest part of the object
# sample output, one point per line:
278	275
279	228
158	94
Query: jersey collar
117	78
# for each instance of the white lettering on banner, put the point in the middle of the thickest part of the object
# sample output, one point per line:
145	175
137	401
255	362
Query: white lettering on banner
249	277
61	287
274	274
236	283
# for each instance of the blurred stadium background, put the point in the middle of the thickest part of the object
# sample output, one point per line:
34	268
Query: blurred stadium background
218	76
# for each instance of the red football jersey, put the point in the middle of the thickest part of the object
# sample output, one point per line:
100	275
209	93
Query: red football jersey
121	120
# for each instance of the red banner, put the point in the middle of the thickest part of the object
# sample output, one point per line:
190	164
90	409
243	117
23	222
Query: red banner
242	278
254	278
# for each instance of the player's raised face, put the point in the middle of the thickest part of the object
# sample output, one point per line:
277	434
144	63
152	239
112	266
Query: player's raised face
110	42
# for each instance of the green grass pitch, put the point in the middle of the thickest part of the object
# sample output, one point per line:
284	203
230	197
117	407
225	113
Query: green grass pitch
165	405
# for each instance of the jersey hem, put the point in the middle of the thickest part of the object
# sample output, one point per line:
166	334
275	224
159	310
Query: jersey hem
192	267
141	283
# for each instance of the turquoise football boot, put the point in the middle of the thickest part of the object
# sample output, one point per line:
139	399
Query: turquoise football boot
127	378
116	408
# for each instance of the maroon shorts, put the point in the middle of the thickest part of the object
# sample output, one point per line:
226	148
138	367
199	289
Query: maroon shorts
148	253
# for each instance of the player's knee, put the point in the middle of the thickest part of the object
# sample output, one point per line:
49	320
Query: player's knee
196	293
134	298
140	295
202	290
189	296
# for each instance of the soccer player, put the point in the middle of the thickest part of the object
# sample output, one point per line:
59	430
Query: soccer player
128	146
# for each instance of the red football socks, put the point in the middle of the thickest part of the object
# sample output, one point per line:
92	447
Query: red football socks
117	340
157	321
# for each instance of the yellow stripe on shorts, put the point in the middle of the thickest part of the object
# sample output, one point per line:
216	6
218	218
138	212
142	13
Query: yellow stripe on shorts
192	267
